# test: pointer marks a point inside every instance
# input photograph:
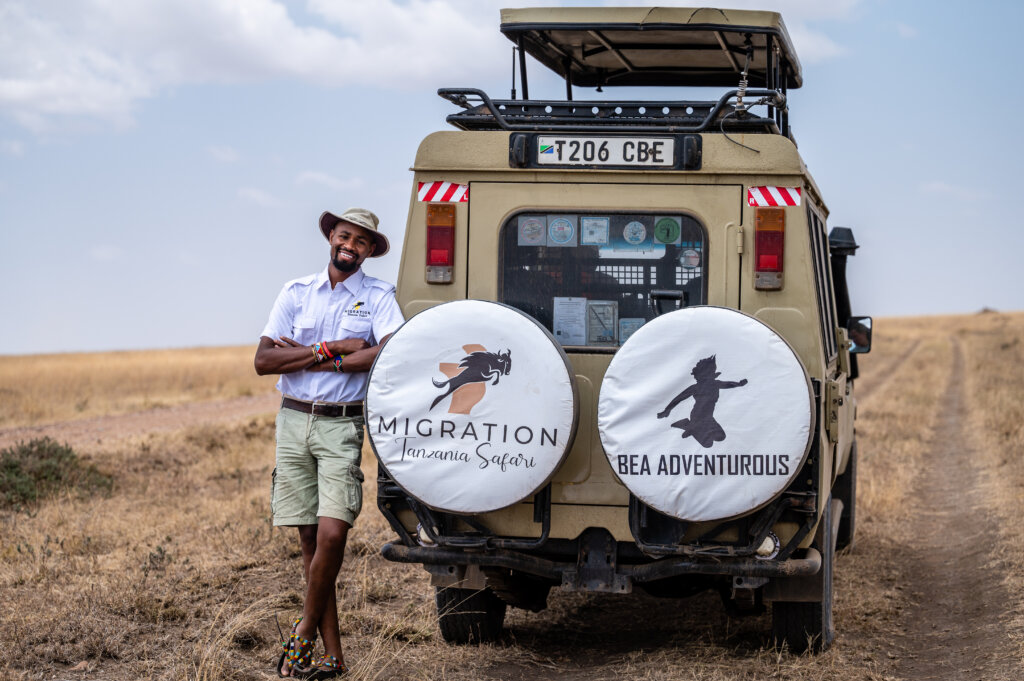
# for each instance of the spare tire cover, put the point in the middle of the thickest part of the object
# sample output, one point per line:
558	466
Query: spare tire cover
471	406
705	413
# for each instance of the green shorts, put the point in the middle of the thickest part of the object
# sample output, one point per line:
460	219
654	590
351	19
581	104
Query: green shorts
317	472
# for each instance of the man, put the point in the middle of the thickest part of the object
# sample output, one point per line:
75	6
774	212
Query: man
324	332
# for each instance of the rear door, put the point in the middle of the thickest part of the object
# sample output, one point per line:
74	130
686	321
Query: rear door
591	262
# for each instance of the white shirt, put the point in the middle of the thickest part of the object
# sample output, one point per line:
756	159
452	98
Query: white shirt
309	310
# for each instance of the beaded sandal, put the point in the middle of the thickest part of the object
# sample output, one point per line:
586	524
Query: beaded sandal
298	651
327	667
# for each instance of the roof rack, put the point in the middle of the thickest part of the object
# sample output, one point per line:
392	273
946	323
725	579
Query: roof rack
482	113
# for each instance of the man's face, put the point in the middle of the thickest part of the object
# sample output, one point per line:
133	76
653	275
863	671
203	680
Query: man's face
350	246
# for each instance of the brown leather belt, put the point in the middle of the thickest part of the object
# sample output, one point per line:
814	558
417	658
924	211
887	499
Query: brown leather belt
320	409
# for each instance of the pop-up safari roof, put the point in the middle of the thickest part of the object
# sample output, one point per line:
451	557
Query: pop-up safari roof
656	45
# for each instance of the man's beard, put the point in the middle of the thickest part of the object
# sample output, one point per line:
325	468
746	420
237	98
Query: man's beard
345	265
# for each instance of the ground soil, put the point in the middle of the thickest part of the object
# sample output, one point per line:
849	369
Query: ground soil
103	430
955	628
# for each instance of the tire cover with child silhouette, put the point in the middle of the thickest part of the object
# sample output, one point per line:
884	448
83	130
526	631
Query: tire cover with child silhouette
471	406
705	413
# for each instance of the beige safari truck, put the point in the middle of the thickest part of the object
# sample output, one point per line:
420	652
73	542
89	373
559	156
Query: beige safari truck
669	265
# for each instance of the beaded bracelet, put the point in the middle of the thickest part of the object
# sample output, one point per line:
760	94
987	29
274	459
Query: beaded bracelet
318	353
337	364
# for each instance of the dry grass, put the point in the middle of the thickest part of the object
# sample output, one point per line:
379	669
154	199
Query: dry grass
42	388
178	574
993	346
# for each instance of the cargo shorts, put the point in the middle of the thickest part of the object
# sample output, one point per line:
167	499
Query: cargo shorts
317	469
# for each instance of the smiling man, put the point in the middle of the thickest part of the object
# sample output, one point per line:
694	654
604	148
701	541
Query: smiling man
323	335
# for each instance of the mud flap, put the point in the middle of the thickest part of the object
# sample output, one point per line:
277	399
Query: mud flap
809	588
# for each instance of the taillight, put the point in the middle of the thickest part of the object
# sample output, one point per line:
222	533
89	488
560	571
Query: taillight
440	242
769	239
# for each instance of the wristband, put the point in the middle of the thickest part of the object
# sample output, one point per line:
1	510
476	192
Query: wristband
337	364
326	350
318	353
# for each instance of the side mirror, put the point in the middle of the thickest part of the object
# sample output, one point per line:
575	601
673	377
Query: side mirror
859	331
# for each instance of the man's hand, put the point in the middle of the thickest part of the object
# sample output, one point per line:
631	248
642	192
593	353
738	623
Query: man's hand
347	346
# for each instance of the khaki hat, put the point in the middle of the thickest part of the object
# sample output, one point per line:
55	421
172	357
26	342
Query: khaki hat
360	217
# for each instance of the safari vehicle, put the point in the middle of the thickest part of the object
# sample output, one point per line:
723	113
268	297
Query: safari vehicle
653	244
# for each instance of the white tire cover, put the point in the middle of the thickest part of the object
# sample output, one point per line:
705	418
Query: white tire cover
471	406
733	439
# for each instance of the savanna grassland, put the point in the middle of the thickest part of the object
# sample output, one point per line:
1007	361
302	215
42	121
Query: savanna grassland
171	569
38	389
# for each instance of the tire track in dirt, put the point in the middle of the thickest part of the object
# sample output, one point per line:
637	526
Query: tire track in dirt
879	378
86	433
955	630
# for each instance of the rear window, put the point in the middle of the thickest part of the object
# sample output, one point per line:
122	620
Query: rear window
592	279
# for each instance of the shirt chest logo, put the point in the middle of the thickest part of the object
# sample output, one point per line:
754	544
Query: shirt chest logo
358	311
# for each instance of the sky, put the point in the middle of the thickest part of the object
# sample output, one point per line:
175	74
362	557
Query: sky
163	163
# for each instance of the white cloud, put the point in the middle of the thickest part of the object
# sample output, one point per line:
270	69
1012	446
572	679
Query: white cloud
258	196
906	31
105	252
99	58
224	154
954	191
12	147
329	181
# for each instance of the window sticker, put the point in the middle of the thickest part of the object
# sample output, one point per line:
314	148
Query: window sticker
561	230
628	326
634	233
593	231
532	230
602	322
690	259
570	322
668	230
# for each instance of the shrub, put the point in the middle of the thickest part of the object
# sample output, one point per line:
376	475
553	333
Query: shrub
41	467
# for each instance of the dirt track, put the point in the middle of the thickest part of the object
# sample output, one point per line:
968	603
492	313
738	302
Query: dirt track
88	433
956	630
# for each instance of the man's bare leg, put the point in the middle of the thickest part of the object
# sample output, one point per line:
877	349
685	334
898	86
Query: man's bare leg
323	550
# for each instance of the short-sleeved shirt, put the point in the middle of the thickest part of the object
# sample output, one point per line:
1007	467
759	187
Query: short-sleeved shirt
309	310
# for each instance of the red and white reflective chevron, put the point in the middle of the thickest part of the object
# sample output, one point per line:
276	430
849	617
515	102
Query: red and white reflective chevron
773	196
445	192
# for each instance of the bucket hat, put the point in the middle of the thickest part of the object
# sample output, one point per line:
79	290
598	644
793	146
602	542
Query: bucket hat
360	217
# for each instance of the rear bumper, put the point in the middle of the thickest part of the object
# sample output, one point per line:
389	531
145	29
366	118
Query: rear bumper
563	571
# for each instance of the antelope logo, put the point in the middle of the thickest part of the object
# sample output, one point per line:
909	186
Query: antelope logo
467	380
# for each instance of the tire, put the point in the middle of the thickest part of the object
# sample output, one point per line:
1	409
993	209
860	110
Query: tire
807	626
845	490
469	616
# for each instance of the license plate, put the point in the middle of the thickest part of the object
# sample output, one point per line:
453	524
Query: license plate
643	152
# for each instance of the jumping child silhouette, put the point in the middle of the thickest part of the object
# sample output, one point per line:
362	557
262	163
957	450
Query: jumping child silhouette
702	424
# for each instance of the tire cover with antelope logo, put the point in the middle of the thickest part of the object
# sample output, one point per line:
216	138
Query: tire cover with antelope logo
471	406
705	413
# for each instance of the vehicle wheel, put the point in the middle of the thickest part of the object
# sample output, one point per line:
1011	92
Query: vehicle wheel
808	625
469	616
845	491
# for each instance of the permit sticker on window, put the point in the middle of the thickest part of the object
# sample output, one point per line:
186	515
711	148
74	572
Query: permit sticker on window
532	230
570	327
594	231
628	326
602	322
561	230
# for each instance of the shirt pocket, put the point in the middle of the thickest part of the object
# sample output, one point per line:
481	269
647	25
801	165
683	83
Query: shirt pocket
304	330
355	327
